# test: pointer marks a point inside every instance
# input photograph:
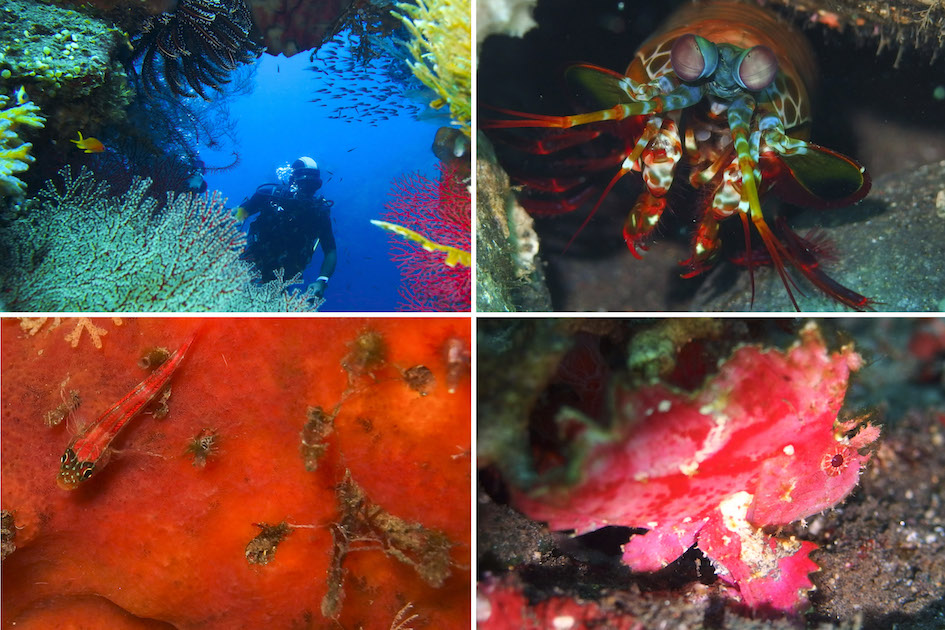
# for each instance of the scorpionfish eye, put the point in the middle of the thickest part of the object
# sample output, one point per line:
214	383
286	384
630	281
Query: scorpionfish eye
693	57
756	68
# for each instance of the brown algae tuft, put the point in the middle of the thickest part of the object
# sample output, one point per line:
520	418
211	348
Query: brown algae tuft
366	352
202	446
420	379
262	548
69	404
152	358
364	526
312	444
7	534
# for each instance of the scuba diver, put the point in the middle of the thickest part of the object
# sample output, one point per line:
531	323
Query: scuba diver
195	183
292	222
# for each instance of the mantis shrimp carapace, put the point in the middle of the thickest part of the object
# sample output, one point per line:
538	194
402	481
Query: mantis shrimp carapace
722	89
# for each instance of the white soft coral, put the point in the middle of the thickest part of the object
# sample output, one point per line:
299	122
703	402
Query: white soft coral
507	17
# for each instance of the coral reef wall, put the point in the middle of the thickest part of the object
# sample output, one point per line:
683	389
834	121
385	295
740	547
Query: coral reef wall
898	24
291	27
66	60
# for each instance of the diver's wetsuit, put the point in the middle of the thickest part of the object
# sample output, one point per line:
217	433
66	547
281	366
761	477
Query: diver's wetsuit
284	233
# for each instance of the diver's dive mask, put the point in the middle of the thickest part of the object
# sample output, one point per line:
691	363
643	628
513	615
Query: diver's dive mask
305	175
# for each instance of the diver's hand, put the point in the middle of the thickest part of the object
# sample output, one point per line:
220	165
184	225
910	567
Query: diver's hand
320	286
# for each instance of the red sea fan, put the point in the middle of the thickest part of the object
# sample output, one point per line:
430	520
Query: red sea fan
439	210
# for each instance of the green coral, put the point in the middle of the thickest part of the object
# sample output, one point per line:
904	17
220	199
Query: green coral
442	52
76	248
68	62
14	153
55	47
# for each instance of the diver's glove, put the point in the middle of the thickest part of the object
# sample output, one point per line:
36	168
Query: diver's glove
320	285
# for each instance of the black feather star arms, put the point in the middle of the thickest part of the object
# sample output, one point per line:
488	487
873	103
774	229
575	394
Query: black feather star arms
197	44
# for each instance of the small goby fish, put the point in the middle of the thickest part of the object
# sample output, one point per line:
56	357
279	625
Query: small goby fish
88	452
90	145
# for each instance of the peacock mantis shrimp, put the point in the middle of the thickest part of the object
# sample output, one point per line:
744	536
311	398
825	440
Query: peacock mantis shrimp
723	89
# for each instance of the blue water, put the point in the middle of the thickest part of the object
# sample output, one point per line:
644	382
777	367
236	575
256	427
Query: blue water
276	124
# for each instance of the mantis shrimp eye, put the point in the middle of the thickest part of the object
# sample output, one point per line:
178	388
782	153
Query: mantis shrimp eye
756	68
693	57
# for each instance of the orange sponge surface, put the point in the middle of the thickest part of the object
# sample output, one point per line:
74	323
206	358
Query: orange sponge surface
153	540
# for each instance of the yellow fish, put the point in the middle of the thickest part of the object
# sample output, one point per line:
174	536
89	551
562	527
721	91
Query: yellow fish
454	255
91	145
